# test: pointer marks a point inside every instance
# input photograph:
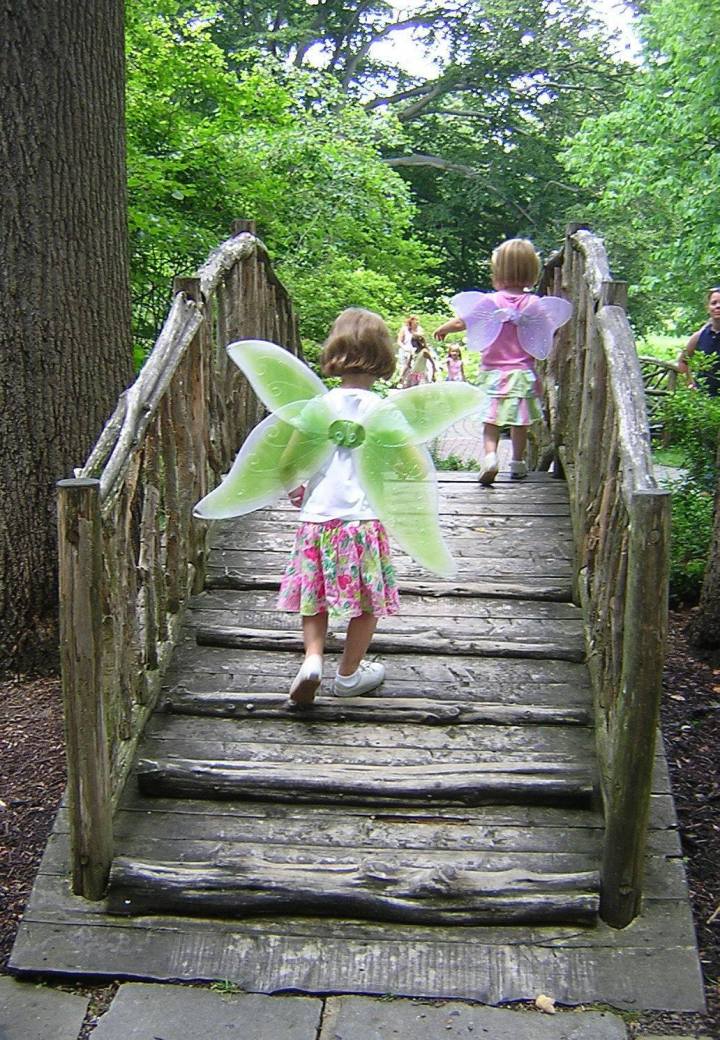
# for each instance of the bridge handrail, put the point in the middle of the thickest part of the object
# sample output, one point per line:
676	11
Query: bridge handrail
599	428
131	553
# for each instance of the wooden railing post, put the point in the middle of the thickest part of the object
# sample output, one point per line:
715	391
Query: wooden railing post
238	226
80	578
637	708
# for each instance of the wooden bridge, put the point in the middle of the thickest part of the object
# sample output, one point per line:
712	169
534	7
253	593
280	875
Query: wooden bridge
495	822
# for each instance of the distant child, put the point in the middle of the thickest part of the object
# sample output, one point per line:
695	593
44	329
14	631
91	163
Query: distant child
511	327
455	367
341	558
419	364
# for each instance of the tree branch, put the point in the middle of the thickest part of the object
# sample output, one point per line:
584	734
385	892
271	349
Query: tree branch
438	163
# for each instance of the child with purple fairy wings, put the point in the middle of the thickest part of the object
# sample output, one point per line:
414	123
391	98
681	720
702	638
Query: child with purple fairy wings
511	328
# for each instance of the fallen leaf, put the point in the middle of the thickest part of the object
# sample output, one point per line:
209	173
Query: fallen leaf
545	1003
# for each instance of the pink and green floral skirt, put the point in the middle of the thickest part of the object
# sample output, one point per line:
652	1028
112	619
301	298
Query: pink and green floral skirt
512	397
340	567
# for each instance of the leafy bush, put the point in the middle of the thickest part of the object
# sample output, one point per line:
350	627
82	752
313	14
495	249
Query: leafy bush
691	420
692	526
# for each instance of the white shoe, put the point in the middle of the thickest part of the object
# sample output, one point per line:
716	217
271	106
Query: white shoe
489	469
366	678
307	680
518	469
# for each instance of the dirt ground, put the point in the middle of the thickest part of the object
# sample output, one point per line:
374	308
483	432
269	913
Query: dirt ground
32	778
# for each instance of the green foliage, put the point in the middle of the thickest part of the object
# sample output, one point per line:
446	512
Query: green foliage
691	421
452	463
665	348
692	527
209	142
652	166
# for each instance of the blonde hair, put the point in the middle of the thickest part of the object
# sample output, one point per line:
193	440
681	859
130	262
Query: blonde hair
359	341
515	263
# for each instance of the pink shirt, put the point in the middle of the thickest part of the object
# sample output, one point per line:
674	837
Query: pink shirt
505	351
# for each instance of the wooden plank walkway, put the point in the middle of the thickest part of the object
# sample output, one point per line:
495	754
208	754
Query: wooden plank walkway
485	679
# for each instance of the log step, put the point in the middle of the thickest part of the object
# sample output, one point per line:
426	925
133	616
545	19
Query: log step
554	589
508	781
433	641
377	710
366	889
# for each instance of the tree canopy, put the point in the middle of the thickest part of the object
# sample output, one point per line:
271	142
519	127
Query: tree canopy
651	168
209	142
292	114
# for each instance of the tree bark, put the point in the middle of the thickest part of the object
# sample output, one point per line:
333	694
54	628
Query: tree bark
705	629
65	304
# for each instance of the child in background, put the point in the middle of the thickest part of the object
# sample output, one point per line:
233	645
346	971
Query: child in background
418	365
455	367
511	327
341	558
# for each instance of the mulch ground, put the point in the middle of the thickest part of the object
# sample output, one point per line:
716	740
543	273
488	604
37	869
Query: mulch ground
32	778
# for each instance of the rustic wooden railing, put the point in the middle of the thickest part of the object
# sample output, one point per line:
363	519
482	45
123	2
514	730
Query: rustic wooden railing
130	552
621	522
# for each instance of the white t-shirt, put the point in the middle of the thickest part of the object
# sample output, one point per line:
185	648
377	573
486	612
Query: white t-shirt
334	493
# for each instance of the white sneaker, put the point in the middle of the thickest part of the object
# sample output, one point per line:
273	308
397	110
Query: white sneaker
307	680
489	469
518	469
369	675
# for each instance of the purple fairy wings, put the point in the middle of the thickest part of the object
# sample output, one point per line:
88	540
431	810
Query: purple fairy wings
536	321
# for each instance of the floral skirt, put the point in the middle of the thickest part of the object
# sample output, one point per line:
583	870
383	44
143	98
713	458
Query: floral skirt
340	567
512	398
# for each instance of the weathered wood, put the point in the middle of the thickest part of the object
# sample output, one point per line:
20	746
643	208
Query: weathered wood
559	590
388	710
241	603
664	975
600	427
368	889
638	709
508	781
433	640
80	578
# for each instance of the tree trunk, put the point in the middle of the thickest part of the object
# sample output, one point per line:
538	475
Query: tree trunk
65	304
705	629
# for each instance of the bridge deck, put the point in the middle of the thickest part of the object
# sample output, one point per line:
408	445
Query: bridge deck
483	673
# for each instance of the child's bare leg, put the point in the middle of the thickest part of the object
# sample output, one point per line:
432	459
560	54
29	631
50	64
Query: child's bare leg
307	680
489	469
518	466
353	677
518	436
314	628
491	436
359	634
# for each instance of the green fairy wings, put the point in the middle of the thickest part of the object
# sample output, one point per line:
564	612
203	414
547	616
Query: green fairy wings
303	430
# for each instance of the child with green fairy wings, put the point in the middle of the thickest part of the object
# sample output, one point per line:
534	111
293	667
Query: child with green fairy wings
355	465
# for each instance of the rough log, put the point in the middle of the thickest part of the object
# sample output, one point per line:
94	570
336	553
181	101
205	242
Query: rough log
638	707
368	889
80	577
376	710
432	641
507	781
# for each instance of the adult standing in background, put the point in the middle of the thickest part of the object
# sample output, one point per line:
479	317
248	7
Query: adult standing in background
409	328
707	341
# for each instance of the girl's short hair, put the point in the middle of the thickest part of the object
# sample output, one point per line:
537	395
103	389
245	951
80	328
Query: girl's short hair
418	342
711	292
359	341
515	263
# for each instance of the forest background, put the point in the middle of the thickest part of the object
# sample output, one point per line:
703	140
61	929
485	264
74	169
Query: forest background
374	181
384	182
